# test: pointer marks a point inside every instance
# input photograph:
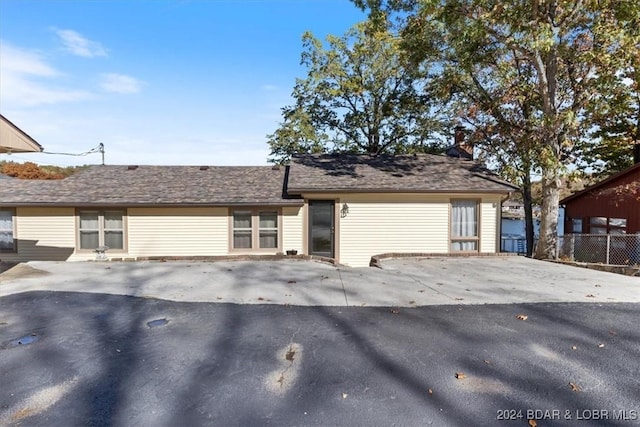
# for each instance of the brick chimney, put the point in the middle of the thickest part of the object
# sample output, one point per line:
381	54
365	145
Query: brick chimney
460	148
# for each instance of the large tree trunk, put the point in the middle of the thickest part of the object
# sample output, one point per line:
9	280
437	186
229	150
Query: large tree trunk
548	242
527	201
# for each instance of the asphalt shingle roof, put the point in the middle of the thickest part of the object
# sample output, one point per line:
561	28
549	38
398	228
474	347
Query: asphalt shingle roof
386	173
154	185
253	185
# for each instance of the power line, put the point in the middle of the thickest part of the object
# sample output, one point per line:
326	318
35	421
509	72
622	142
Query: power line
98	149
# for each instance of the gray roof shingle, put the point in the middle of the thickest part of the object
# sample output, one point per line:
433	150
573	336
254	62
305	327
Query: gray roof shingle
253	185
154	185
386	173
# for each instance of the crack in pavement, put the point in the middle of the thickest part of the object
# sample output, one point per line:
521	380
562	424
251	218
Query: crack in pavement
344	291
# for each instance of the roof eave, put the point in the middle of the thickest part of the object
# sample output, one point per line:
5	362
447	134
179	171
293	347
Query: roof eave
398	191
293	203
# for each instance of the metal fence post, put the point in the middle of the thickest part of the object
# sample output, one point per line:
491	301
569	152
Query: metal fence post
572	247
608	248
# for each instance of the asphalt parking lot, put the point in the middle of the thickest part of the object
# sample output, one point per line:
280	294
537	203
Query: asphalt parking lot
438	342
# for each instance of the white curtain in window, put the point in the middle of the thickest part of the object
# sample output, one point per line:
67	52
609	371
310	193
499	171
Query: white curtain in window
464	223
464	218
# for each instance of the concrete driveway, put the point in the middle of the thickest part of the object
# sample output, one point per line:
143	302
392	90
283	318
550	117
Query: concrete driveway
401	282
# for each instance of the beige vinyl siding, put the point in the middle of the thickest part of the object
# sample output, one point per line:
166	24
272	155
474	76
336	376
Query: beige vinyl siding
404	223
14	140
43	234
489	224
392	223
177	232
292	229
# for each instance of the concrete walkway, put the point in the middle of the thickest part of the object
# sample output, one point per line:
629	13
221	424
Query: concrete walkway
400	283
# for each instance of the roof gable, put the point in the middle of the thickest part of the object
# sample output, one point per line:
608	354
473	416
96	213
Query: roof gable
15	140
601	184
386	173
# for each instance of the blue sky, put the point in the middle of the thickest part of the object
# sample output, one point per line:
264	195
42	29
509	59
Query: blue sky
158	82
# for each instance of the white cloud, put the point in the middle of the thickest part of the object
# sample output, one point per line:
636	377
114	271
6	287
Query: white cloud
24	62
76	44
120	83
21	75
269	88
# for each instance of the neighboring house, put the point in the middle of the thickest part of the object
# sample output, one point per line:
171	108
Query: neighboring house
611	206
346	207
513	209
14	140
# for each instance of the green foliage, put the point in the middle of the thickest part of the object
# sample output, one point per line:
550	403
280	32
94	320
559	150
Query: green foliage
528	77
296	135
615	117
360	95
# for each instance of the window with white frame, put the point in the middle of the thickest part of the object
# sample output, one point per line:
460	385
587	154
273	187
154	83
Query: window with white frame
255	229
101	228
464	226
7	240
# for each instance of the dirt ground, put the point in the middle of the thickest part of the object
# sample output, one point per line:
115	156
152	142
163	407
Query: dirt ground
13	271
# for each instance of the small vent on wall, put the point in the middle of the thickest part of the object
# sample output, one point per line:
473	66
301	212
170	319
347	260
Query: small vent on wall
204	168
132	167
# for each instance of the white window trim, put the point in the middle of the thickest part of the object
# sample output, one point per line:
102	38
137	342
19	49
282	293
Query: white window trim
101	229
457	239
255	230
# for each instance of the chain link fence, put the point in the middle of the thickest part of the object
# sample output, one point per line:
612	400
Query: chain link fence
612	249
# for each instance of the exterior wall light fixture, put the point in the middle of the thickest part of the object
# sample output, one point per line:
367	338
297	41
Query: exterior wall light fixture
344	210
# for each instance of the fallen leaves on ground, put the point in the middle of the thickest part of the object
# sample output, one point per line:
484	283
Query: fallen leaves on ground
533	423
395	311
344	395
573	347
460	375
600	345
522	317
590	296
430	392
574	387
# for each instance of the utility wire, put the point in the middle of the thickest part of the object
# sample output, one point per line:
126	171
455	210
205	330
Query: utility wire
98	149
